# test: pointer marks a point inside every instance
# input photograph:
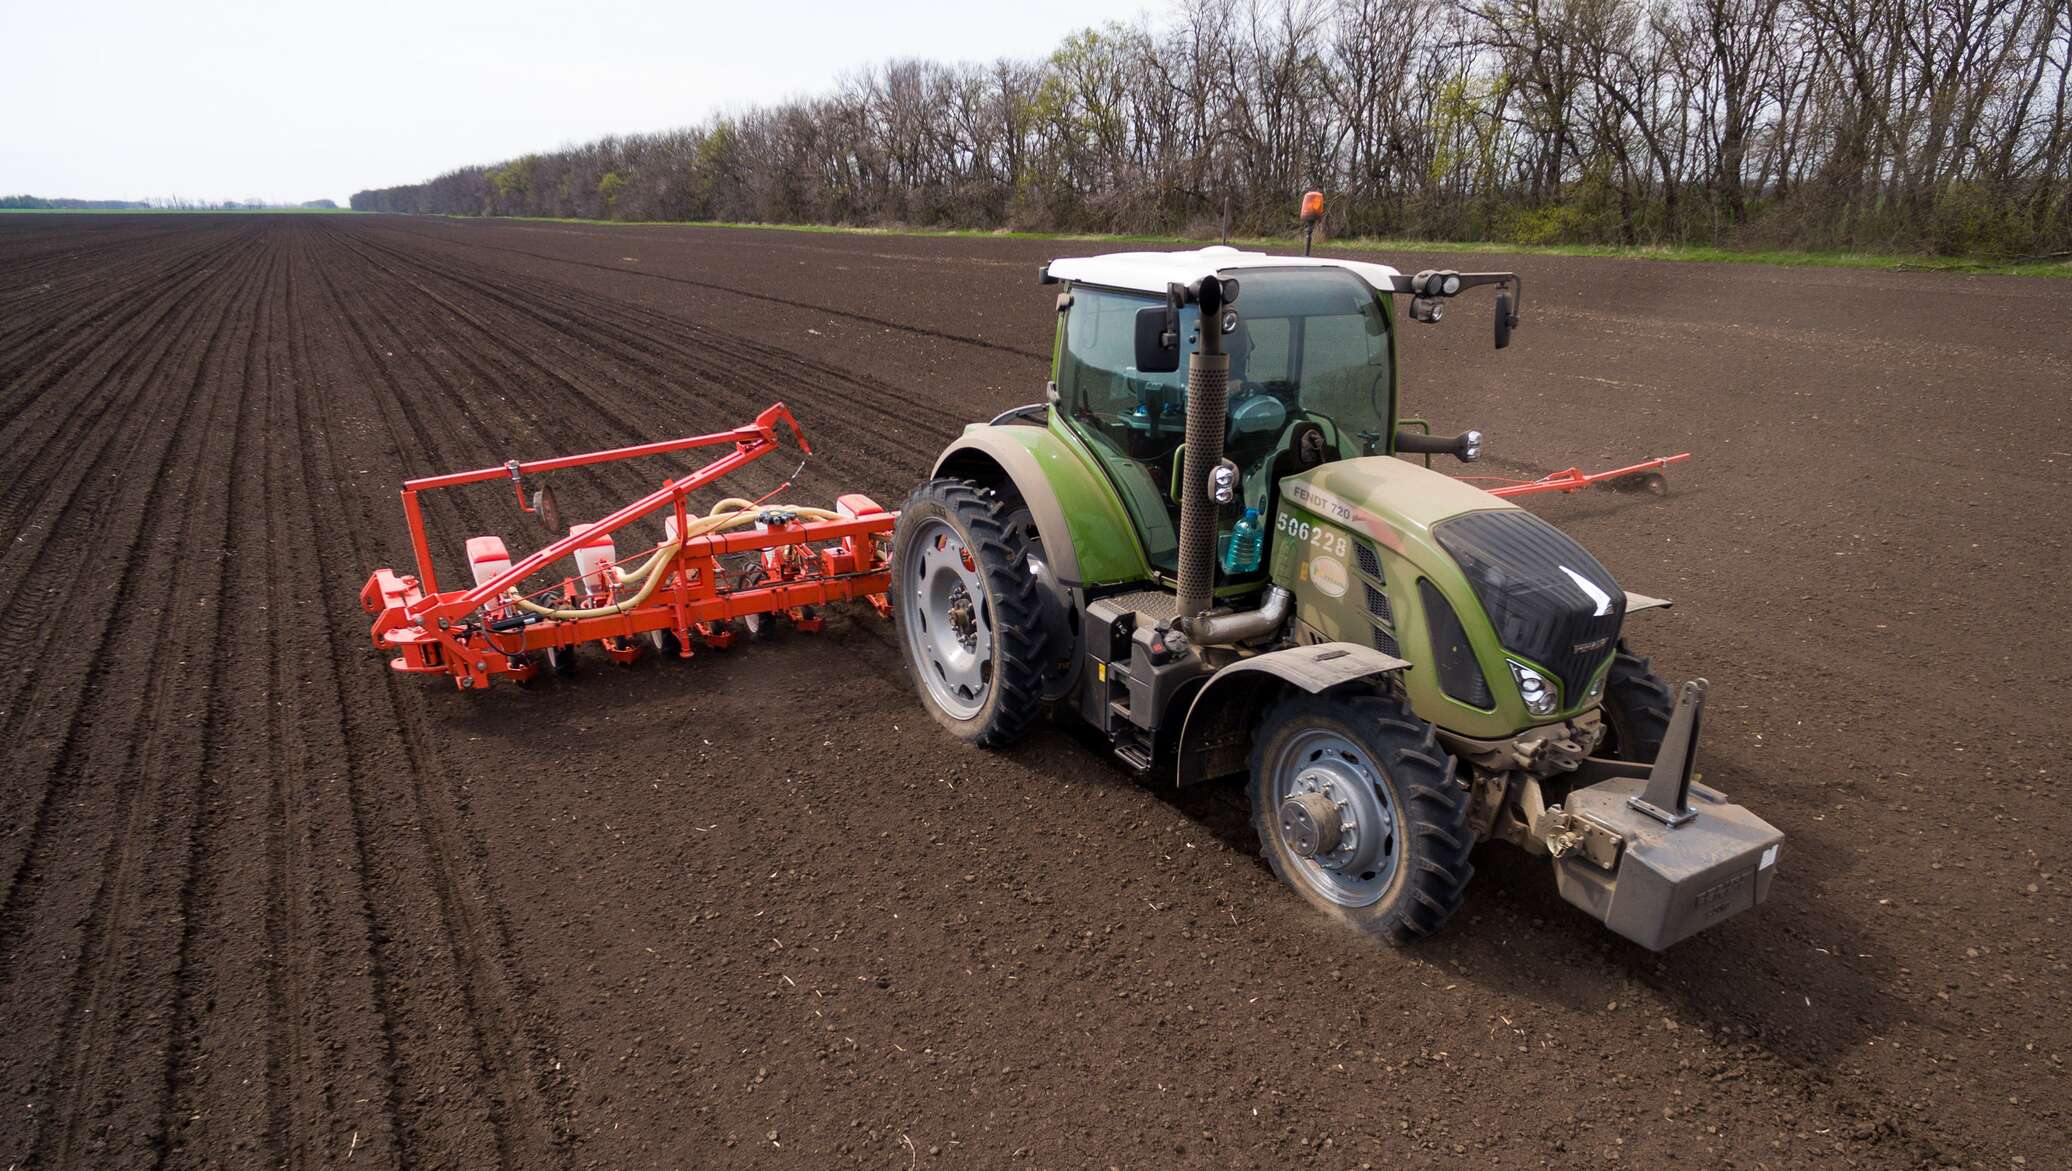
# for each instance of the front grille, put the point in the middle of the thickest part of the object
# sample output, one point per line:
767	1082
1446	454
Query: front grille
1378	606
1549	599
1369	563
1460	676
1386	644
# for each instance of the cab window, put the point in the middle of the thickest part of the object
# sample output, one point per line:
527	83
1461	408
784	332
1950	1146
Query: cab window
1312	345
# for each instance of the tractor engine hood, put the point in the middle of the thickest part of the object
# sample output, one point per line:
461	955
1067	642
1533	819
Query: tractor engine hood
1548	601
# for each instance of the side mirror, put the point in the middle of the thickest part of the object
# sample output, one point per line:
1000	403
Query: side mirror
1503	320
1158	340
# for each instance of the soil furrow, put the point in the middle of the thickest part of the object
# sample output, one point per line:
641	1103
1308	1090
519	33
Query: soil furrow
863	461
523	1125
82	464
120	995
735	291
78	609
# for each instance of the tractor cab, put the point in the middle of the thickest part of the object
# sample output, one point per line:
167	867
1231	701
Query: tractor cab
1312	373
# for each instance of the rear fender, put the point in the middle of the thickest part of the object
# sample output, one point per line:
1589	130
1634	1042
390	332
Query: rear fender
1086	535
1216	738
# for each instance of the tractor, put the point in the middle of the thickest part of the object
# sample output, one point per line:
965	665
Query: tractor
1232	573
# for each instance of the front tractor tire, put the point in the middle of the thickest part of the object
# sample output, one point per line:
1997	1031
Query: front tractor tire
967	611
1357	810
1637	707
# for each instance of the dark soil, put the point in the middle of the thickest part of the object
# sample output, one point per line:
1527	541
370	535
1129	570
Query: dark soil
268	904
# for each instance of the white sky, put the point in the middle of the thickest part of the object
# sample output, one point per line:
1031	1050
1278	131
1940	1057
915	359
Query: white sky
234	99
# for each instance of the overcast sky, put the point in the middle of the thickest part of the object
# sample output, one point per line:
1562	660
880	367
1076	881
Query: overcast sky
232	99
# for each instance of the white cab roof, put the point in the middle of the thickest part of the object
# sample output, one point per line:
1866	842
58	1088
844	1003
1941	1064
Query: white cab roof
1151	272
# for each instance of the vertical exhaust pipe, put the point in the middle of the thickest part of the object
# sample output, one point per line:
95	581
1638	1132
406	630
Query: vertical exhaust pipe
1208	392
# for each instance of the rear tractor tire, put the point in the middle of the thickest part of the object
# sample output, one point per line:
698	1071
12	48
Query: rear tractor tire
1637	707
1357	810
966	608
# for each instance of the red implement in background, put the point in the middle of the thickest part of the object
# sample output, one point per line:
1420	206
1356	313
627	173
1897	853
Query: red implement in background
786	565
1570	479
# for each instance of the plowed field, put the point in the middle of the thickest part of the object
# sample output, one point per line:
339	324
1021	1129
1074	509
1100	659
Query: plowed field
268	904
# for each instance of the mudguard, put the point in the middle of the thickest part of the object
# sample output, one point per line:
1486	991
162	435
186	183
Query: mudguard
1635	603
1216	738
1086	534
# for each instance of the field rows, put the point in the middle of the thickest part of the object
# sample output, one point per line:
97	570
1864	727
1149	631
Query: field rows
268	903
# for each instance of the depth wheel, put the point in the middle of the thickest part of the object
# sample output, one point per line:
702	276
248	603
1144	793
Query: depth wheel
1637	707
561	660
757	626
967	612
1357	810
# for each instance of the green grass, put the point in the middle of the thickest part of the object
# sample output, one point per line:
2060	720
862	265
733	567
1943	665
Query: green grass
1689	255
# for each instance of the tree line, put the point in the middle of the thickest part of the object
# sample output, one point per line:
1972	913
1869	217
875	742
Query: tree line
162	203
1917	125
38	203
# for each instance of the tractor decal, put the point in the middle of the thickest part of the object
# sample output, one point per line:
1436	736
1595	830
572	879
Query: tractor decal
1345	512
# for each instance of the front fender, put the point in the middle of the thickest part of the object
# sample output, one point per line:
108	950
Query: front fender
1086	534
1216	738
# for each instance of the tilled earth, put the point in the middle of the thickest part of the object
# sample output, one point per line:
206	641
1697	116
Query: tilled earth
268	904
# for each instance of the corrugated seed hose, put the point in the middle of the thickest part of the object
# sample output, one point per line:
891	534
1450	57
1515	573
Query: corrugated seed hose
731	513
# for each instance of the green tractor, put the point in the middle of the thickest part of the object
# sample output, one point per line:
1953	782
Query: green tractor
1229	572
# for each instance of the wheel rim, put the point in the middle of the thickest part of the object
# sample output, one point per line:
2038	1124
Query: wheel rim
949	626
1361	864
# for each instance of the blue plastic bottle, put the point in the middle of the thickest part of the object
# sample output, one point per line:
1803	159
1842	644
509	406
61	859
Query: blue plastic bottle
1241	552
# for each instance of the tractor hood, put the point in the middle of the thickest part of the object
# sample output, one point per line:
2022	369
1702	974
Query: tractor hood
1543	600
1383	497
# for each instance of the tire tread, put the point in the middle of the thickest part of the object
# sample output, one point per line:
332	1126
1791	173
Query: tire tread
1018	651
1435	809
1642	700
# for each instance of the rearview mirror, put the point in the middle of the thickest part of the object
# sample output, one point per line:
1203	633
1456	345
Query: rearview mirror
1158	340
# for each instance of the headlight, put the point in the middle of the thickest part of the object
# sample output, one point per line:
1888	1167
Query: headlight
1534	689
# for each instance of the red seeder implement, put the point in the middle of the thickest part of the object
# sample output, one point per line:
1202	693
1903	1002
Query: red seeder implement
711	578
1570	479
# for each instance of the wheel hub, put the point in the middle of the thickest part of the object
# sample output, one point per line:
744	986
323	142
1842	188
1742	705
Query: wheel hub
1310	824
963	617
1336	818
949	626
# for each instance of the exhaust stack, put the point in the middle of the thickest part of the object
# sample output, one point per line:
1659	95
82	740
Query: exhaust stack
1208	391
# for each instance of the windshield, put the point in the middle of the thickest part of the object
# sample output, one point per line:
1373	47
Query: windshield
1312	344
